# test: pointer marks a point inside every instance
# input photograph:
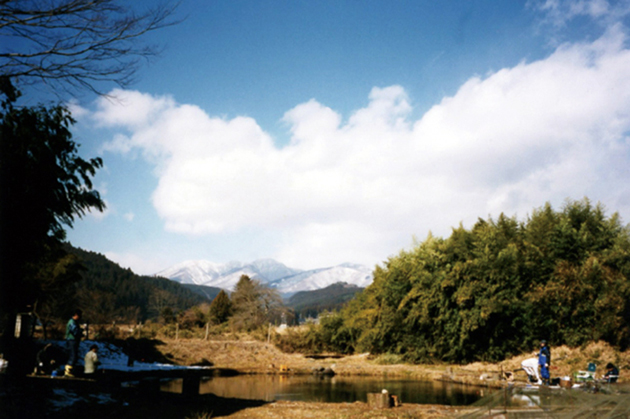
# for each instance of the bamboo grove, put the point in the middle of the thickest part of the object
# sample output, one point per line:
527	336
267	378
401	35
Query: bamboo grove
496	289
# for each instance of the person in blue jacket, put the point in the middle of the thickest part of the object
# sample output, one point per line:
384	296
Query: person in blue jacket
544	360
73	337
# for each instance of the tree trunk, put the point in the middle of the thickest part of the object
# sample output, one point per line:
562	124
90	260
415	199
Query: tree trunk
378	400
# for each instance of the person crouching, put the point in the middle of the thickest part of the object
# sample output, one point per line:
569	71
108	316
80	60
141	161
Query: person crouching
91	361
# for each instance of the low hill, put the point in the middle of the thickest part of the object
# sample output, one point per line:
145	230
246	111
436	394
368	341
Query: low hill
108	292
333	297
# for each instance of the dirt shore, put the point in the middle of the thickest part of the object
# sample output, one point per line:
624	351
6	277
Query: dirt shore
359	410
251	356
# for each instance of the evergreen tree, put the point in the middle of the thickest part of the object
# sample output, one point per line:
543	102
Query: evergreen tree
253	304
220	308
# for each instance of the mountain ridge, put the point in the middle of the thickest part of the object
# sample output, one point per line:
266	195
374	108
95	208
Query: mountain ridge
286	280
311	303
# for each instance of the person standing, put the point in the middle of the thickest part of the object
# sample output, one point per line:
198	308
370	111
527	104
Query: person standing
544	360
73	337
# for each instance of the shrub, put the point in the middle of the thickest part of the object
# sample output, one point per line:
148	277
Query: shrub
388	359
304	339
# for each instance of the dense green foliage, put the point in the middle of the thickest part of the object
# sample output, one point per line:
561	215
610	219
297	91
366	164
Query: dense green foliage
494	290
312	303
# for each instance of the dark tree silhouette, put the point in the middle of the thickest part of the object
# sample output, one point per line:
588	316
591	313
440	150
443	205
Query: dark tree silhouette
44	185
75	44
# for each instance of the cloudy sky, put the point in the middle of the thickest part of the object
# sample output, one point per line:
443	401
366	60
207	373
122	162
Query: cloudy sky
323	132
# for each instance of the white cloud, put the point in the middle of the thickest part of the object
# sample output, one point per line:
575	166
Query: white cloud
358	191
130	108
129	216
76	110
559	13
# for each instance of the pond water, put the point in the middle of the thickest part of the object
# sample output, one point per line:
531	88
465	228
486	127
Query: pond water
334	389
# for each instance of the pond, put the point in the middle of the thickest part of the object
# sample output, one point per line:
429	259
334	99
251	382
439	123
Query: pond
334	389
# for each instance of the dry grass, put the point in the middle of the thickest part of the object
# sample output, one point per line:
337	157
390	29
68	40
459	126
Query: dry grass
251	356
247	355
358	410
565	361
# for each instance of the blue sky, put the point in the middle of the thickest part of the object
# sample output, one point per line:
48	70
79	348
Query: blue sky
323	132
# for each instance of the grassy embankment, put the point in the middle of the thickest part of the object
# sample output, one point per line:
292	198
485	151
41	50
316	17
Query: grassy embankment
247	355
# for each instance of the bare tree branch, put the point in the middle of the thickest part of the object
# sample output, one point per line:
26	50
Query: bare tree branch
76	44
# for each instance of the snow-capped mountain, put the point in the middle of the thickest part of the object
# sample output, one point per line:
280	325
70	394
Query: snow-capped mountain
275	274
316	279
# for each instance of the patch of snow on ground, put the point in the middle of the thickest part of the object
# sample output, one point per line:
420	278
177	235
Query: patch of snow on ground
113	357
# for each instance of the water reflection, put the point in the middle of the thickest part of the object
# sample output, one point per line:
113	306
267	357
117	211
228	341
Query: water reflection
333	389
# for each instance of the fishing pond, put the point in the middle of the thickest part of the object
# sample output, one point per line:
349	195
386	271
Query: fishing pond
336	389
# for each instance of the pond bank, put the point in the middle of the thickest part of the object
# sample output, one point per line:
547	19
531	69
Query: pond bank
251	356
254	357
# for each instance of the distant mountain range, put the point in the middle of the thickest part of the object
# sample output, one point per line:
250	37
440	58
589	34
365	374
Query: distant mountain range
286	280
311	303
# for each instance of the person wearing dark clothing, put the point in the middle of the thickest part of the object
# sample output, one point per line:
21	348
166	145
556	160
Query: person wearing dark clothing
46	361
612	373
73	337
544	360
544	349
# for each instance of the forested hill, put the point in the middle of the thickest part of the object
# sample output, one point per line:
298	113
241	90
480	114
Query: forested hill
108	292
333	297
497	289
205	291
